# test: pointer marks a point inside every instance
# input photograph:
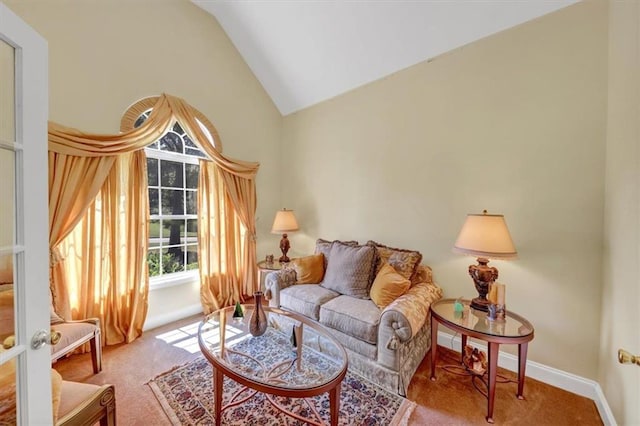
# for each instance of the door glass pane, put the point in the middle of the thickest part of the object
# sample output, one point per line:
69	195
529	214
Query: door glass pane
7	197
7	313
8	393
7	93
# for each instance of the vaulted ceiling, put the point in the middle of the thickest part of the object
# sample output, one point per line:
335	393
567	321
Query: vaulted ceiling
304	52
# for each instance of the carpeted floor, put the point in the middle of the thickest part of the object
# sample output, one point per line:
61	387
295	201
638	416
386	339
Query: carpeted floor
451	400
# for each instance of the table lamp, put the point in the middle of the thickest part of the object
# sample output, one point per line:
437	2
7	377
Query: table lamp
285	221
487	237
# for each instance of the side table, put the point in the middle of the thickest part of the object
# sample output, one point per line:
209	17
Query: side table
514	329
264	268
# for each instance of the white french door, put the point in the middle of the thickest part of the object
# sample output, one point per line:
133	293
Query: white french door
24	275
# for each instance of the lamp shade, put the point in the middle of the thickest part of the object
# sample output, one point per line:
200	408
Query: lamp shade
486	235
285	221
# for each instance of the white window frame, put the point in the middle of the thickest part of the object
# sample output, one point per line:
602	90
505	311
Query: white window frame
182	277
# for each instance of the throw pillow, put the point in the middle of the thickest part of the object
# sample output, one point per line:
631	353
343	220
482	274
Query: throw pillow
53	317
349	270
324	247
56	390
309	269
388	286
404	261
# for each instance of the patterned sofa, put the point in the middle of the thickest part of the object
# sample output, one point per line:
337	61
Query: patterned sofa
374	299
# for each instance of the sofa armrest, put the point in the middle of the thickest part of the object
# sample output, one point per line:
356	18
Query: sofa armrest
277	281
408	313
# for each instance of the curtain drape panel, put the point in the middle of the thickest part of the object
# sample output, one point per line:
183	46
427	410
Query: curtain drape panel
114	226
103	253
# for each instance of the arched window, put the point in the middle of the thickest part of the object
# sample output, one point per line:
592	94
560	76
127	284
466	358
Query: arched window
172	170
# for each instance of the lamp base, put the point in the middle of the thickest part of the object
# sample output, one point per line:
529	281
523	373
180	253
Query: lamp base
481	304
284	248
482	275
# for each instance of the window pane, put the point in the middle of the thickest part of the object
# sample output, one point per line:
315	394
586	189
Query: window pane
174	230
154	233
188	142
152	171
192	231
192	199
172	260
153	201
178	129
192	257
153	260
141	120
192	175
172	201
196	152
171	172
171	142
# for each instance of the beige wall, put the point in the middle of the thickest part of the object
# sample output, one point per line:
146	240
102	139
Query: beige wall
515	124
621	287
105	55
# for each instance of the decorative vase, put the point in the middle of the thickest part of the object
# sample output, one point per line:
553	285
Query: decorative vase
258	320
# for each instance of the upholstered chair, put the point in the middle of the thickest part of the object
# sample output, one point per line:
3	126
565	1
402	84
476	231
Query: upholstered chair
73	335
81	404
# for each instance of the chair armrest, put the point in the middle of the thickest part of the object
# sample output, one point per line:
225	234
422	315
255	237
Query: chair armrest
277	281
86	404
404	317
94	321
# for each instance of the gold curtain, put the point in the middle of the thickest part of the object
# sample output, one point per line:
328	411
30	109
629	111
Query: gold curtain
106	252
79	164
226	211
114	250
226	247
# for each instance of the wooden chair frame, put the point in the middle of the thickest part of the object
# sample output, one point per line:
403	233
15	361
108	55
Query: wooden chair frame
100	407
94	339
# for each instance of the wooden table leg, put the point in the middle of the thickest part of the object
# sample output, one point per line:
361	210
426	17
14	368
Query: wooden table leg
434	347
334	404
522	364
493	370
218	378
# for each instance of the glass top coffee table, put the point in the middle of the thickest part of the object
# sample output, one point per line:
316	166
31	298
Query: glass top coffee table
270	363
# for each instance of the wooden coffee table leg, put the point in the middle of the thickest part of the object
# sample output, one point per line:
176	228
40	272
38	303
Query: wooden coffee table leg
218	378
334	404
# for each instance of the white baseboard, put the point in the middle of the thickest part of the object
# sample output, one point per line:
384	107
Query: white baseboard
166	318
549	375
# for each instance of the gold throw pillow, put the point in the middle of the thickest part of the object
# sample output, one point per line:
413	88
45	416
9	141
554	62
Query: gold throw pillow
56	388
388	286
309	269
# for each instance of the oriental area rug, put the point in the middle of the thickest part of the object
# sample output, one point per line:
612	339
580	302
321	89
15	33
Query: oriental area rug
186	395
